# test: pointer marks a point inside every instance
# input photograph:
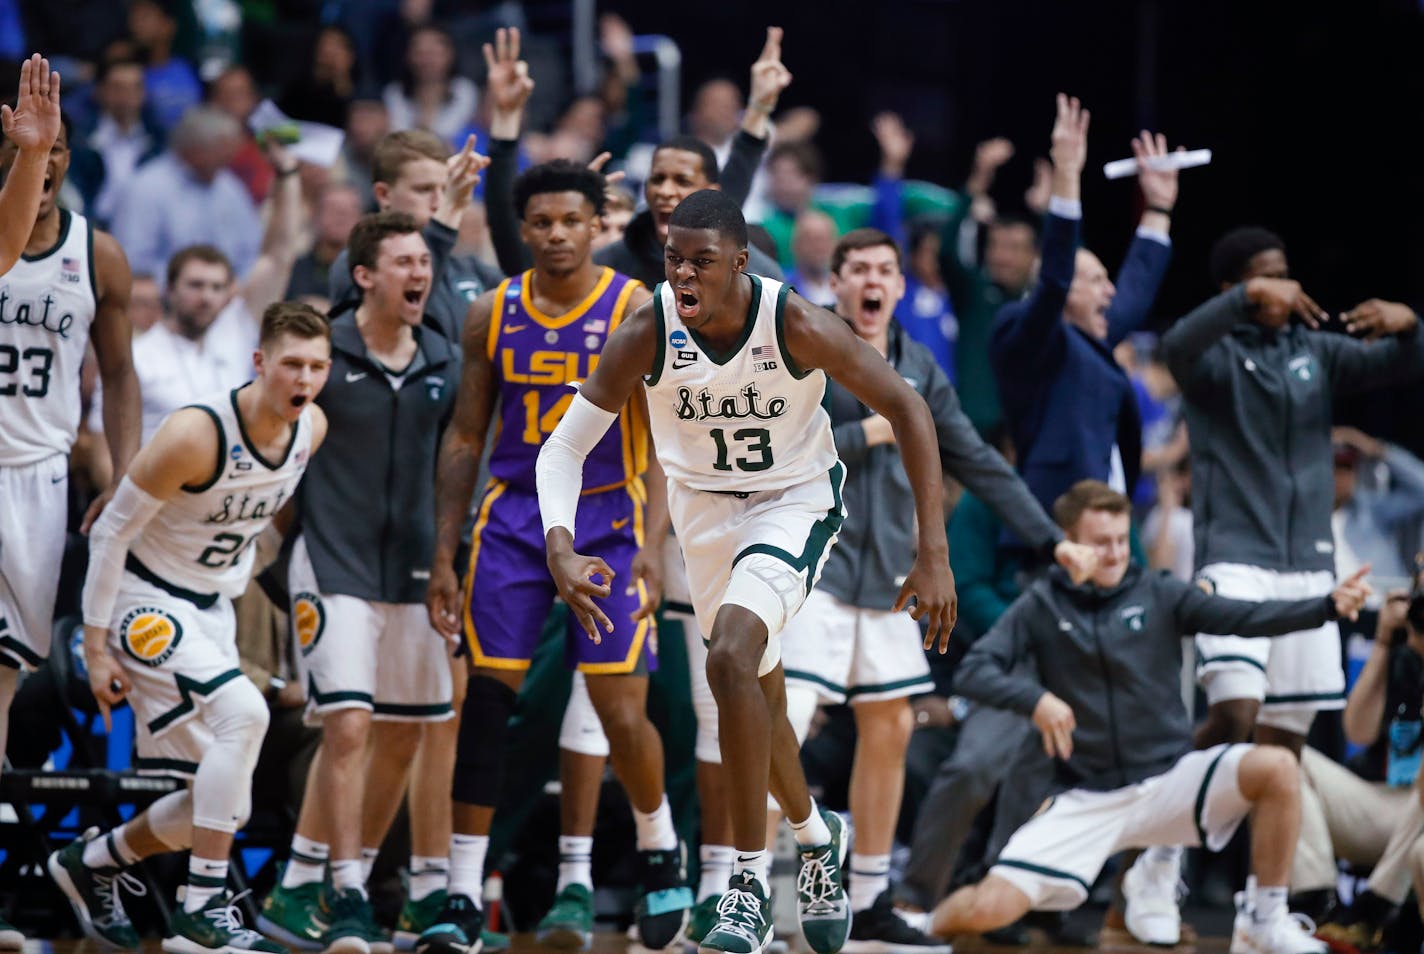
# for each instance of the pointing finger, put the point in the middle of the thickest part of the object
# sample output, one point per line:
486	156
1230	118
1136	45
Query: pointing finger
771	50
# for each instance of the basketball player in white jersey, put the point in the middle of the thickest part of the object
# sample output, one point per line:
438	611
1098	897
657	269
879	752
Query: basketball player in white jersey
70	286
166	557
734	367
32	123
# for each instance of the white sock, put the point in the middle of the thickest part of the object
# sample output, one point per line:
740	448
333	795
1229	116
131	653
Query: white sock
812	830
757	862
427	876
207	877
346	874
109	851
716	870
1270	903
368	862
1164	855
467	866
869	877
575	861
307	864
655	831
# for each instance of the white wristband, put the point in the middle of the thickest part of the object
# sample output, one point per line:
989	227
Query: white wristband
122	520
558	475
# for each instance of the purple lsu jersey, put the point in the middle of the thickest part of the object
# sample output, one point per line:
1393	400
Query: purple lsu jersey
535	359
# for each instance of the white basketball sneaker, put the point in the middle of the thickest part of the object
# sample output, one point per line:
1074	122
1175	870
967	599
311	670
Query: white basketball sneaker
1285	933
1151	889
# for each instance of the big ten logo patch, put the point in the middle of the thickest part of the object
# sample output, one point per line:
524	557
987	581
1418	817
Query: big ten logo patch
150	635
308	621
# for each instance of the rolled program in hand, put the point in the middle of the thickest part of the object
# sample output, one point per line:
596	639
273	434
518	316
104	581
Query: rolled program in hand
1121	168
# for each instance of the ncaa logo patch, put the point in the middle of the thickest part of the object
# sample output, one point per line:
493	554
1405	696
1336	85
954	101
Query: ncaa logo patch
678	339
308	621
150	635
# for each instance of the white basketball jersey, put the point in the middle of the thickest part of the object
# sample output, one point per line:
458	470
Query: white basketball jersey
202	539
46	307
742	421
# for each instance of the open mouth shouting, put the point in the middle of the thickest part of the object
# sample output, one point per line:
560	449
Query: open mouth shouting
872	305
414	295
688	303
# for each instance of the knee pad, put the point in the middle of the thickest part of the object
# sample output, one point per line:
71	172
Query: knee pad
171	820
222	787
581	731
800	710
479	752
773	591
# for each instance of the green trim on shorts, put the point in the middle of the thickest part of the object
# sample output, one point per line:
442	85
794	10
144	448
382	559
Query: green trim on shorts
816	541
915	683
166	765
1304	697
1211	660
187	689
1198	811
673	606
411	710
1046	872
327	698
21	652
799	675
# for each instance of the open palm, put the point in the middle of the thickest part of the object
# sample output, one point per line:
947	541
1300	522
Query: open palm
33	123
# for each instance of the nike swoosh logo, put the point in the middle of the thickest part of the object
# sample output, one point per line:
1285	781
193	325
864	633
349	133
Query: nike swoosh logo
511	329
620	524
685	364
352	376
60	479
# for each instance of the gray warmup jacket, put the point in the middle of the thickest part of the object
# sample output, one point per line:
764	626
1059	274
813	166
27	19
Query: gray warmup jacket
877	540
1115	656
1259	407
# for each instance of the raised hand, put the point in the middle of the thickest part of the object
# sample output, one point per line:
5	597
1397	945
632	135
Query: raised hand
1069	149
33	124
930	583
895	140
1080	560
1055	720
1036	195
769	75
990	154
1350	594
507	84
1376	319
1276	299
609	178
1159	186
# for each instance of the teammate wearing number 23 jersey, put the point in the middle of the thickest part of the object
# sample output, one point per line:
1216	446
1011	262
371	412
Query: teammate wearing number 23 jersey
734	369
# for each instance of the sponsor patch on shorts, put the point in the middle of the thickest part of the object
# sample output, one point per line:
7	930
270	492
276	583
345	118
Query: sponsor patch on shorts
308	621
150	634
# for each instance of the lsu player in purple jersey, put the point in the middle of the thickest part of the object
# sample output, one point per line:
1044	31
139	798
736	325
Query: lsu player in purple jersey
528	345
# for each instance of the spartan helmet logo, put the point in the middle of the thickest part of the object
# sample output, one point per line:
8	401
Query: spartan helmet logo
308	621
150	635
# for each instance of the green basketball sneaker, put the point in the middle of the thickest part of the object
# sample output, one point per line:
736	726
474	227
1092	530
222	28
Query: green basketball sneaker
569	924
701	919
820	890
743	919
93	893
293	916
215	928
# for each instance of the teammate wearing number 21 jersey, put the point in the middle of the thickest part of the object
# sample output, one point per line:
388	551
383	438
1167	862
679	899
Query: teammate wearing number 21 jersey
70	286
734	370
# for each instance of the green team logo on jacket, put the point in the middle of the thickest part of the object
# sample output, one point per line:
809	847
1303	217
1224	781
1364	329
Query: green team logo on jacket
1302	366
1134	617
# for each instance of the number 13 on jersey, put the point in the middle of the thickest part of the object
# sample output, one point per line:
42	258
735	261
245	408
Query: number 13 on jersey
749	440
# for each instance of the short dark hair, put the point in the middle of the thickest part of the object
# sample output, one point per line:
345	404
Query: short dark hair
364	246
115	61
397	148
1233	252
806	157
712	209
207	254
685	143
1009	220
1088	495
857	239
559	175
294	318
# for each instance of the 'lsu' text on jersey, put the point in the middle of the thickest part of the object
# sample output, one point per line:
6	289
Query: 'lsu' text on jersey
745	420
47	304
202	539
536	358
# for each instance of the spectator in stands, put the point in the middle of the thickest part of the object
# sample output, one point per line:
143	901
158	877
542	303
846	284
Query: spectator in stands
415	173
233	92
625	113
1370	513
187	196
145	303
124	135
1159	407
1070	409
793	171
1167	531
337	212
170	81
1369	814
716	115
429	95
926	312
367	123
617	213
812	245
324	93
